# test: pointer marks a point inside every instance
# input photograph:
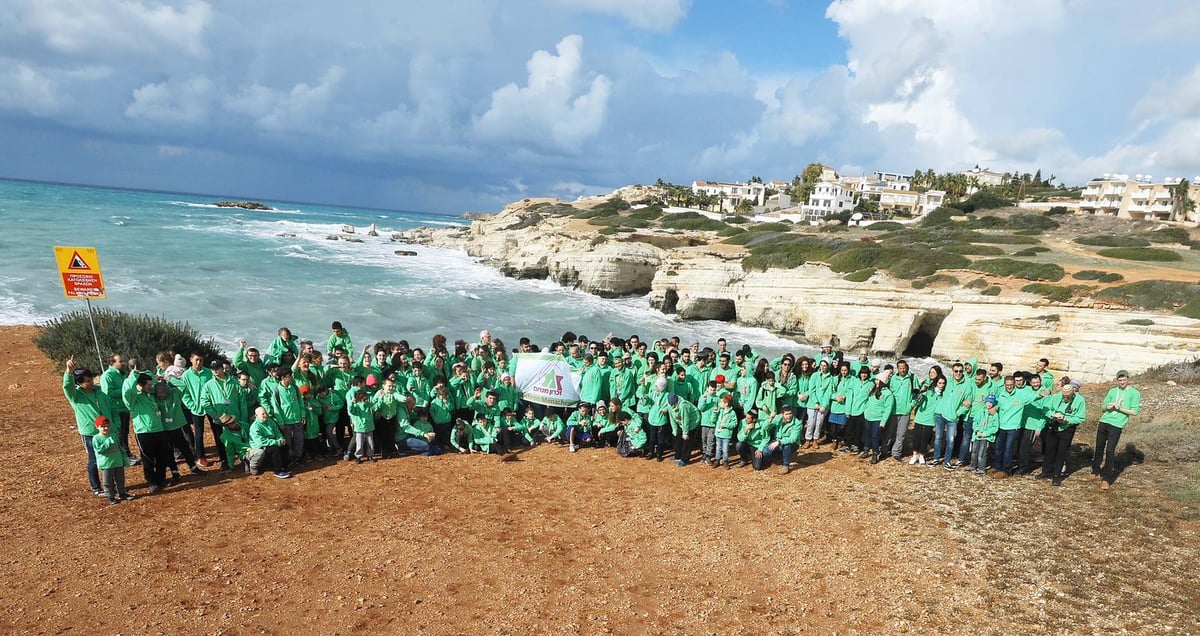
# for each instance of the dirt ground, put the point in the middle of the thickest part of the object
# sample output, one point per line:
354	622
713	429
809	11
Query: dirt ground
588	543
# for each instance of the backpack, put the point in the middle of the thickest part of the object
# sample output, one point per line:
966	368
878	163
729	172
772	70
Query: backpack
624	446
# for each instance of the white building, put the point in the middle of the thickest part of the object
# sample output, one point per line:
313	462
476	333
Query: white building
1137	198
731	194
893	176
827	199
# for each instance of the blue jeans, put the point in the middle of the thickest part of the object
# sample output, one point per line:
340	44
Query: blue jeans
943	437
964	452
871	435
93	473
416	444
1006	442
722	449
788	451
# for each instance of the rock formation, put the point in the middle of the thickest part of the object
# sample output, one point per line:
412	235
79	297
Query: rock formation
245	205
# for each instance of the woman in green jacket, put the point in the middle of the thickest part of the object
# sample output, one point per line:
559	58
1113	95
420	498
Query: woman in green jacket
841	391
146	420
88	402
927	404
1064	412
880	406
856	405
817	395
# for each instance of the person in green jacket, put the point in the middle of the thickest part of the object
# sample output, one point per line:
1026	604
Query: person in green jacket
485	435
951	407
788	430
770	394
387	405
903	386
461	437
1120	403
218	399
192	383
880	407
1031	429
170	404
235	442
110	461
657	418
725	428
418	434
552	427
924	417
88	403
146	420
362	419
1065	410
111	382
685	419
1010	407
841	391
709	406
818	396
339	339
983	431
266	446
756	441
856	406
283	346
622	383
441	412
249	360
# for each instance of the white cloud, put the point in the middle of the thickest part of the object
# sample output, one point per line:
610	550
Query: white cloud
186	102
105	27
549	108
299	109
653	15
23	88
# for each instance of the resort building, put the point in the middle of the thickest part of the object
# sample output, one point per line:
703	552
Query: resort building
828	198
1137	198
731	194
984	178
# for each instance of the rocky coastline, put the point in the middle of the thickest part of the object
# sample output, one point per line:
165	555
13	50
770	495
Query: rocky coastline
698	278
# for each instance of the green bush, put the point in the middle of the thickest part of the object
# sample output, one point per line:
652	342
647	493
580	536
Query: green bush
1049	318
978	283
994	290
855	258
983	200
1020	269
1031	222
1108	240
970	249
1153	254
597	211
885	226
1140	322
618	221
936	279
692	221
609	231
1050	341
1007	239
787	251
1088	274
1057	210
1111	277
1169	235
1190	310
739	219
732	230
860	275
650	213
1032	251
772	227
130	335
940	217
614	205
1153	294
1054	293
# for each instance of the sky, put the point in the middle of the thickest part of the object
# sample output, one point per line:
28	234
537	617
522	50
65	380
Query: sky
466	105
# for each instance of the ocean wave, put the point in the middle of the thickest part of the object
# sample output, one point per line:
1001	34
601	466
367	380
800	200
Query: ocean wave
19	311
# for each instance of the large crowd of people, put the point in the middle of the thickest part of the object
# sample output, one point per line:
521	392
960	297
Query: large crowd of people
279	410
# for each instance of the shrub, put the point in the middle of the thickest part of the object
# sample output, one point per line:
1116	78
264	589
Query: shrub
650	213
1108	240
732	231
1169	235
739	219
772	227
940	217
978	283
609	231
983	200
595	212
1048	318
618	221
1153	294
885	226
614	204
970	249
1007	239
692	221
1032	251
855	258
1054	293
1057	210
994	290
130	335
1111	278
860	275
1020	269
1153	254
1050	341
787	251
1088	274
1191	309
1140	322
1031	223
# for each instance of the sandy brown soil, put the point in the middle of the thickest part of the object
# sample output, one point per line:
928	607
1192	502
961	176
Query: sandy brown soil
561	544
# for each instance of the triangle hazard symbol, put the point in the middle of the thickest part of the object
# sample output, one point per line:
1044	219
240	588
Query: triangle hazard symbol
77	262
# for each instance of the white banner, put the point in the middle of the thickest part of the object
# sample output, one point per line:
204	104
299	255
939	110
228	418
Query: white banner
547	378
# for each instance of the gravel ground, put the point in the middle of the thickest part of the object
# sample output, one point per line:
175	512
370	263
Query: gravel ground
588	543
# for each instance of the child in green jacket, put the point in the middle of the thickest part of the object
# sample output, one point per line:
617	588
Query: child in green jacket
984	434
110	461
362	419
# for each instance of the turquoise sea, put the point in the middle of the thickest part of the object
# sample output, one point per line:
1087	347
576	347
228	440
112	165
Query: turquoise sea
235	273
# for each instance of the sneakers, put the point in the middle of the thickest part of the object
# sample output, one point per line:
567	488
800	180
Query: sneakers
953	466
126	497
934	462
1104	485
1057	481
979	472
175	479
113	500
785	470
155	488
573	449
283	474
921	459
203	462
999	474
98	493
681	463
912	460
371	458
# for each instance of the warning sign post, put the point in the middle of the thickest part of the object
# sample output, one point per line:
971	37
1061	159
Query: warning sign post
79	268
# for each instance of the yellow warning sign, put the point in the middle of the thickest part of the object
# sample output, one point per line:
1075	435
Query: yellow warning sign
80	271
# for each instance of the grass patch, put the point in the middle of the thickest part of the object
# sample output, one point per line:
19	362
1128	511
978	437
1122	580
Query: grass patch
1007	239
651	213
978	283
772	227
885	226
692	221
738	219
732	231
1151	254
1154	294
1057	210
1032	251
1139	322
983	200
860	276
994	290
1020	269
936	279
1054	293
1106	240
1111	278
970	249
1088	274
1169	235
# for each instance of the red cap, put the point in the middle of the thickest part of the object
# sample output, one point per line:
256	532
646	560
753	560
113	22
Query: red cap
101	421
720	379
304	390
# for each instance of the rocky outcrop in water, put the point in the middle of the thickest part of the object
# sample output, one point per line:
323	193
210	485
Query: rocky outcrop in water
245	205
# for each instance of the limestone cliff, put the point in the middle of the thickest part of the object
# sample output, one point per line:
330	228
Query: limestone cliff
685	274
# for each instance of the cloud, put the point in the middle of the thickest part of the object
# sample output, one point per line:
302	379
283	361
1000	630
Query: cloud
549	112
300	108
175	103
106	28
652	15
25	89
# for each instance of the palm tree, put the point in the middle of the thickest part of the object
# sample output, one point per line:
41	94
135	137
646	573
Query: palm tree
1181	204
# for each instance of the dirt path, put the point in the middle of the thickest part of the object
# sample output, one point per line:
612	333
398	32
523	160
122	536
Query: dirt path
558	543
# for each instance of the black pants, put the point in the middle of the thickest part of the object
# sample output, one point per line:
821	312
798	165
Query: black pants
658	441
342	429
385	436
509	439
1107	437
1058	444
608	439
442	433
124	433
921	436
683	447
216	429
177	443
888	441
747	452
1025	451
854	431
156	454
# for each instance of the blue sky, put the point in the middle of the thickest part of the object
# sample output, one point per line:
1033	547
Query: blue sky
468	104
